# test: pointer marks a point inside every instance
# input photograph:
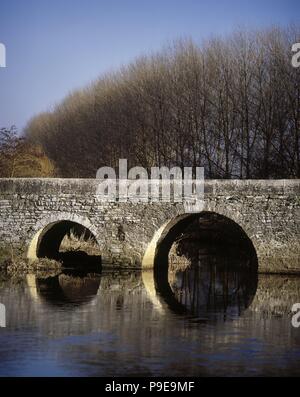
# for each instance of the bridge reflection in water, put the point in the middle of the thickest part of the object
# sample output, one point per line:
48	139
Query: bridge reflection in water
206	291
206	323
68	289
213	287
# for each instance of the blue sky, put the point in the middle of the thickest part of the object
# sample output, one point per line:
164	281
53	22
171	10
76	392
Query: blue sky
56	46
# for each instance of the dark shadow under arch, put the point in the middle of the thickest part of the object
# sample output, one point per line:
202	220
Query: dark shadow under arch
50	238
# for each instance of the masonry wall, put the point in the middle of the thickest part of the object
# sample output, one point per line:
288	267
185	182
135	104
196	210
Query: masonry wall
267	210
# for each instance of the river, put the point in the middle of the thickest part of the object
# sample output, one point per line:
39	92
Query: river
211	322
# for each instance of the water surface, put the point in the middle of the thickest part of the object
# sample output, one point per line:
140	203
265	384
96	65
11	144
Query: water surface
213	322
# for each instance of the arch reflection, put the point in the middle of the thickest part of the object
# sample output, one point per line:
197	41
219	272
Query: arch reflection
206	268
214	288
68	289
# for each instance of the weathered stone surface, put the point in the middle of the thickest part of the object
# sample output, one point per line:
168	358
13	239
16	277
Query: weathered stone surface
267	210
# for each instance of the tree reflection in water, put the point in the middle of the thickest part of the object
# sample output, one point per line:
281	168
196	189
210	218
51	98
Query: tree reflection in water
214	286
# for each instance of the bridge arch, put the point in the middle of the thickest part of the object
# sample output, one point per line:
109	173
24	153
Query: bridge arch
49	232
156	256
161	242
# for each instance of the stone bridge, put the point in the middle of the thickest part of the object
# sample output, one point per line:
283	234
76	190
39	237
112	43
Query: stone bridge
35	214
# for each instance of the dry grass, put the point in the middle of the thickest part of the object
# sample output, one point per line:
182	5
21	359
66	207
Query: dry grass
72	242
42	265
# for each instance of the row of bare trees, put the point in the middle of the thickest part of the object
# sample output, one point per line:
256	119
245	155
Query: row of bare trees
231	105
